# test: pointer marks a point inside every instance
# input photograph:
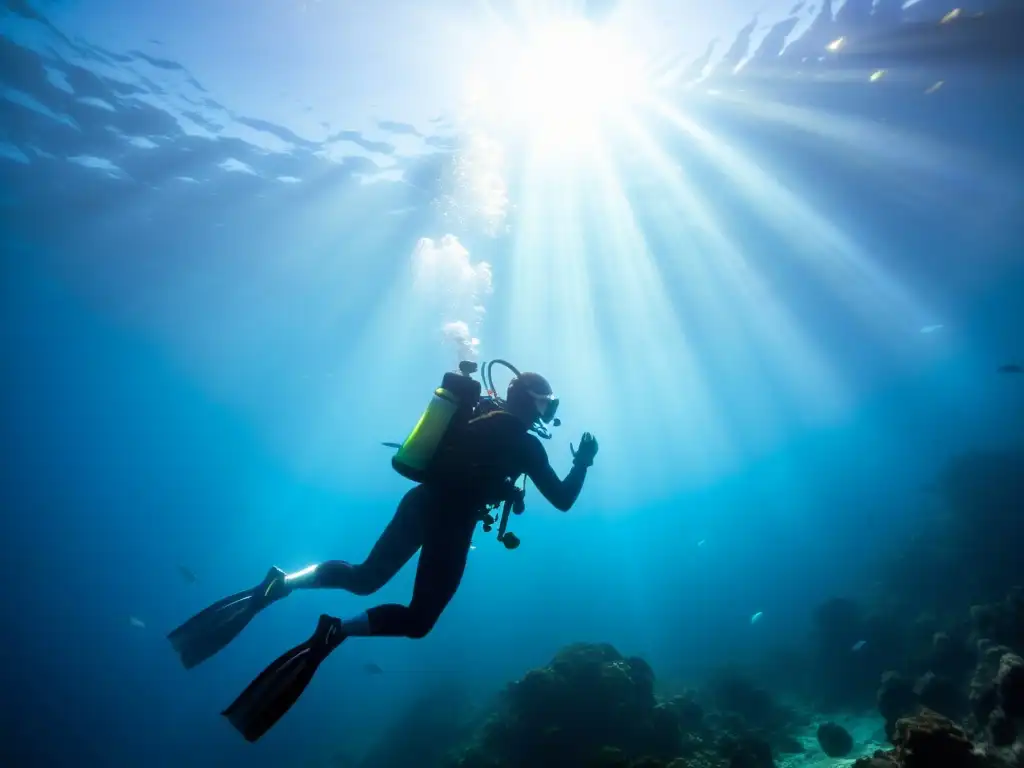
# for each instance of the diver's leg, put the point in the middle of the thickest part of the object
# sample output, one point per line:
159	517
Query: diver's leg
277	688
399	542
438	575
213	628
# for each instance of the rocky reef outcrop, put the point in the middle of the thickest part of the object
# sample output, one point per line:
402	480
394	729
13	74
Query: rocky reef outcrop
591	707
980	712
929	740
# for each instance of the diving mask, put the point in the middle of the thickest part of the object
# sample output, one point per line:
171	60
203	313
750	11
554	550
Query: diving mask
547	406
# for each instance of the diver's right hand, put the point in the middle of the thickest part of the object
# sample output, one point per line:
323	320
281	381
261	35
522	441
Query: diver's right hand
584	455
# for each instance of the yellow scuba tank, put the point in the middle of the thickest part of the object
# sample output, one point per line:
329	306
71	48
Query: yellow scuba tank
452	402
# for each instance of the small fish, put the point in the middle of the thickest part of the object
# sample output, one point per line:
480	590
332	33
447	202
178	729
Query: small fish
136	622
1011	368
702	542
858	645
931	328
756	617
187	574
396	446
372	669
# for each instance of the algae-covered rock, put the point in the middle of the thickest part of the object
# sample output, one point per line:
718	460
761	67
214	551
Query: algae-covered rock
1010	685
929	740
589	706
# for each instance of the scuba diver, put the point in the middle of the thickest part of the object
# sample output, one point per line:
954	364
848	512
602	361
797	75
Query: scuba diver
465	453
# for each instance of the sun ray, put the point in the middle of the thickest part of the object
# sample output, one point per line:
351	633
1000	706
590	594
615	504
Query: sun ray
666	370
849	270
920	168
731	300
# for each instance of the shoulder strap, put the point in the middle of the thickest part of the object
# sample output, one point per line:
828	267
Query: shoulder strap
498	413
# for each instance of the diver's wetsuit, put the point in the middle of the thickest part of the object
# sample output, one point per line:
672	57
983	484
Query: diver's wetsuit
439	519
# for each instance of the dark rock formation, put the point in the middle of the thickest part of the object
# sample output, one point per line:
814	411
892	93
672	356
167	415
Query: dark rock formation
950	657
741	708
747	752
942	695
1002	623
592	707
896	698
1010	685
834	740
1001	730
929	740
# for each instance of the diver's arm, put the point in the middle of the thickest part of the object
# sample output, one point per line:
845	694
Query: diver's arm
561	493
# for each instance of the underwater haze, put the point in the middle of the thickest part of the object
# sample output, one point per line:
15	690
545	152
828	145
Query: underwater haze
770	254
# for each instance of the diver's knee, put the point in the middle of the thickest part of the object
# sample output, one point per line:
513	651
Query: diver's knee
420	625
419	631
357	579
364	581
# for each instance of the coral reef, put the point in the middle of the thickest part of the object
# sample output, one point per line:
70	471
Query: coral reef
991	697
591	707
929	740
738	706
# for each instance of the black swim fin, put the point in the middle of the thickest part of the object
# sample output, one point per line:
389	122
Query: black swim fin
211	629
279	686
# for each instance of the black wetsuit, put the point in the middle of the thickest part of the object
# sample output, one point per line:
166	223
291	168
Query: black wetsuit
439	518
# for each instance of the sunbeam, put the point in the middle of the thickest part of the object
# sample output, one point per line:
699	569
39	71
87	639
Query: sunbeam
663	362
848	270
731	303
924	170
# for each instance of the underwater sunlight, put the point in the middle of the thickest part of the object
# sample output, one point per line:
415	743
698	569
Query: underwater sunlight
564	81
512	383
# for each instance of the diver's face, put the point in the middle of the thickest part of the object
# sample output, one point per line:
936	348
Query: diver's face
545	405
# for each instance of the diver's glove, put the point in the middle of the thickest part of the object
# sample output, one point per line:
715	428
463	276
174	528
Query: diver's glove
584	455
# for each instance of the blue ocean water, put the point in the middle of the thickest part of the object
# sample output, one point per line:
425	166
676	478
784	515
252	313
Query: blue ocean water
243	242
